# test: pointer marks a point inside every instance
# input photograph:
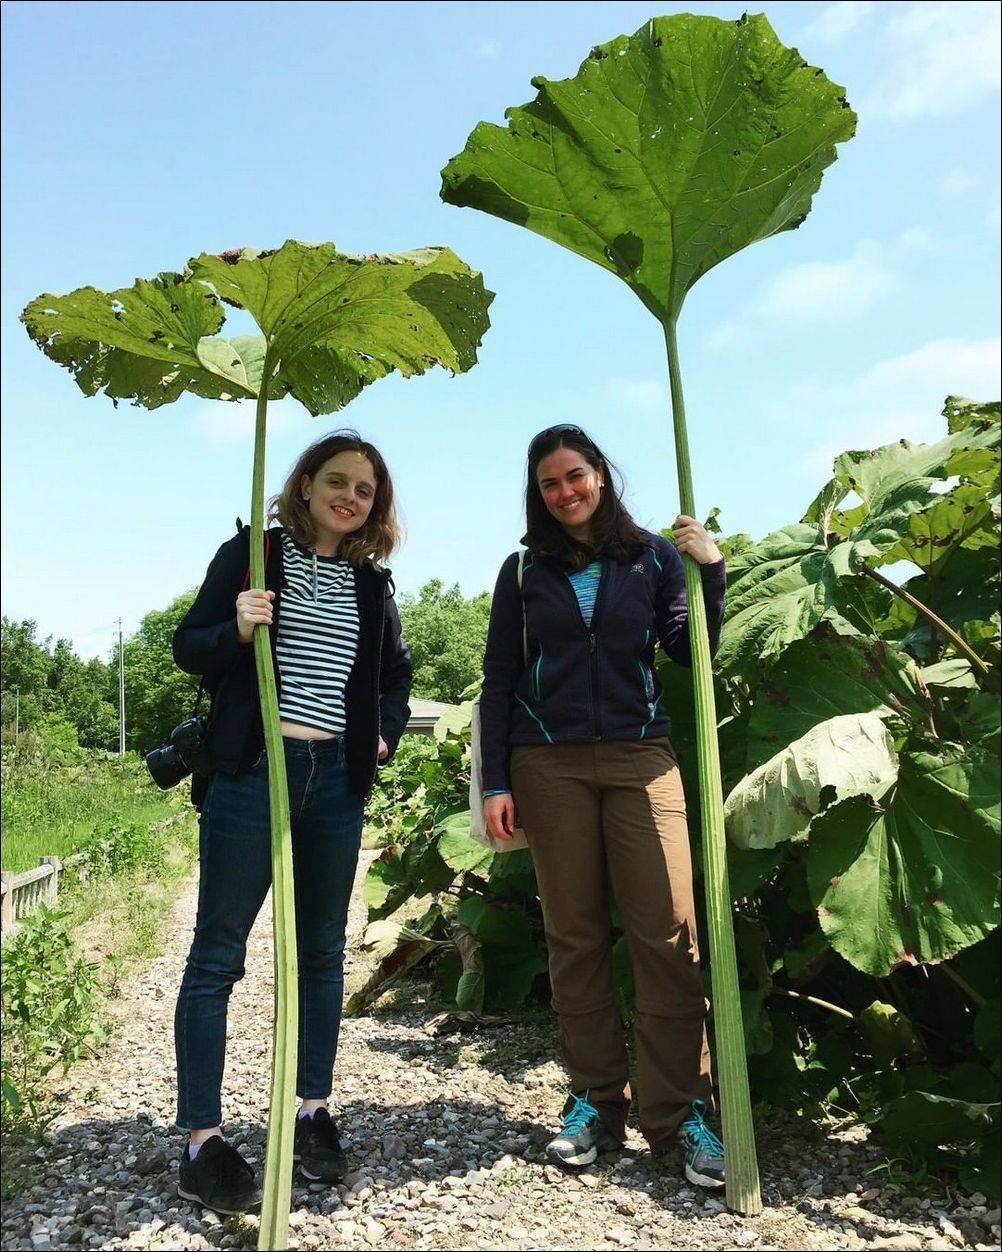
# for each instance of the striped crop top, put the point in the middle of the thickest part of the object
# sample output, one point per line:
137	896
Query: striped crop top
317	637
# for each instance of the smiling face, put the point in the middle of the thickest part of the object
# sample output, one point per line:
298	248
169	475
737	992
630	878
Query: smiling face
340	497
571	489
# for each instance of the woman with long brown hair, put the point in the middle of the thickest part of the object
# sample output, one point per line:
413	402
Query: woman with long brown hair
344	676
575	750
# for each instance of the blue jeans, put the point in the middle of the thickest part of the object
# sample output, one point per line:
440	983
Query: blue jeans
234	877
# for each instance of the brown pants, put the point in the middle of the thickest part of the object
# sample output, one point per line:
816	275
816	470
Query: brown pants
601	816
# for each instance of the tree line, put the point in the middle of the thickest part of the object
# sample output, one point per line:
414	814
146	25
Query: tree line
66	702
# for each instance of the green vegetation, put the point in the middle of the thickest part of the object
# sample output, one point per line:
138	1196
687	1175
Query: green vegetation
331	323
861	760
446	634
63	963
52	801
670	151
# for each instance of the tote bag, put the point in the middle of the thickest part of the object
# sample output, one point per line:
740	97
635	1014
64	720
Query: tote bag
478	827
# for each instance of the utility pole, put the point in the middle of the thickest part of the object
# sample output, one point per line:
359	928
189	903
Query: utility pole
121	692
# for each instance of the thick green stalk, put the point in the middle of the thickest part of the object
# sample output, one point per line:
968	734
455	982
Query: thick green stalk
743	1194
281	1113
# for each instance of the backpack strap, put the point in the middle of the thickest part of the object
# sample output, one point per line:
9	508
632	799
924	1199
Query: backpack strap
525	627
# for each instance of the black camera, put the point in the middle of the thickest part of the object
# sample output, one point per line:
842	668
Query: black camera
188	750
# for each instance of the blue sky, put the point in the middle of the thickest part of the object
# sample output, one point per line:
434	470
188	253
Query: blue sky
137	135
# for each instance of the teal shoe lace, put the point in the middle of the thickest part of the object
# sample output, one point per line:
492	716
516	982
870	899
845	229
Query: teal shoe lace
698	1134
577	1117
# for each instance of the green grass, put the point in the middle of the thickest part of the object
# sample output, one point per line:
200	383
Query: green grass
49	808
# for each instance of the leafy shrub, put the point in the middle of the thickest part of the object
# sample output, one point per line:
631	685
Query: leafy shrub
113	850
51	1018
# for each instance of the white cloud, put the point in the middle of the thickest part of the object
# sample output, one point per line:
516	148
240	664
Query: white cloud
900	397
916	239
958	182
730	334
221	422
836	21
637	395
944	366
938	59
486	48
829	289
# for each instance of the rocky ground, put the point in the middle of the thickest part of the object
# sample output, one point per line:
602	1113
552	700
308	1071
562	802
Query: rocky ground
447	1136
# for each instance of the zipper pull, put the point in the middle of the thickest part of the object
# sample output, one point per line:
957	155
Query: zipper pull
592	643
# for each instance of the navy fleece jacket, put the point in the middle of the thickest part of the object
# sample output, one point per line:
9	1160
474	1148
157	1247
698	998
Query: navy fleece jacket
585	683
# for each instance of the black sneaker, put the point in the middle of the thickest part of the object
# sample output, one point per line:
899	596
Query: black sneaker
582	1137
218	1178
318	1148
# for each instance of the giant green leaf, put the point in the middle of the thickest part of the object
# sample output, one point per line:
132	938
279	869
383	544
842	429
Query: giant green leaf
331	323
845	756
826	675
670	150
914	878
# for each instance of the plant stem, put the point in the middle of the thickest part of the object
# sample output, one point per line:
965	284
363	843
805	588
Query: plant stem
743	1192
930	616
821	1004
274	1231
964	985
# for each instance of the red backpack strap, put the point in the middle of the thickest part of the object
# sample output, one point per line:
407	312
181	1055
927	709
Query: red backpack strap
267	554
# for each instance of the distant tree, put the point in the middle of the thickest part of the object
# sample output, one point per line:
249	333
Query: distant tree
54	685
24	670
157	694
446	634
78	693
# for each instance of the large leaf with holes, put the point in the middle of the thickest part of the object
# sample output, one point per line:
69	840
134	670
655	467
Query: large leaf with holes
913	878
670	150
331	323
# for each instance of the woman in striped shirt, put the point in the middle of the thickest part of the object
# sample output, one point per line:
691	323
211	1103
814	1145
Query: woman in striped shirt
343	676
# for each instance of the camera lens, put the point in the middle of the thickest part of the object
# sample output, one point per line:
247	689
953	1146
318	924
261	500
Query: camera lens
166	767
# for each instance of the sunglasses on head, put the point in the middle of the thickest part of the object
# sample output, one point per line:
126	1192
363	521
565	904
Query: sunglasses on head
565	428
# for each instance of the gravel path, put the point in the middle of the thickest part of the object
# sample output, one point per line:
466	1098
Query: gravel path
447	1135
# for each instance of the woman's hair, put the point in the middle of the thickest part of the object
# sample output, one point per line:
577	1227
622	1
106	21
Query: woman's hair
613	531
381	532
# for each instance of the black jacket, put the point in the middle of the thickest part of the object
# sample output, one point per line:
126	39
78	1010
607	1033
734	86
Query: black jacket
584	683
206	643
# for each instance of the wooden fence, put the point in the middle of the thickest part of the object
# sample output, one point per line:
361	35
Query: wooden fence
22	894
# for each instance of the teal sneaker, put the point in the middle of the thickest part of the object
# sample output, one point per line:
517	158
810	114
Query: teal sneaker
702	1151
583	1135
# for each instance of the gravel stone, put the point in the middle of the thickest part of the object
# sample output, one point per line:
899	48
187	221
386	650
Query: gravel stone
445	1136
